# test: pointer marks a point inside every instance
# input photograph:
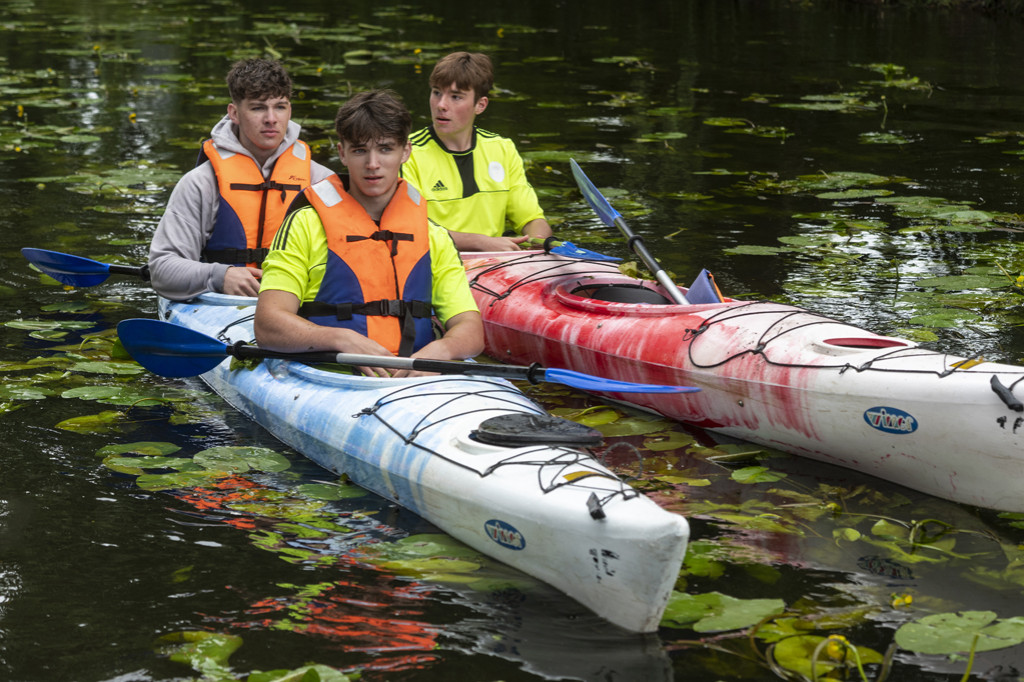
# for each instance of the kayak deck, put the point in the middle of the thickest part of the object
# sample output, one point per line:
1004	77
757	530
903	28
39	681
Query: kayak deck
551	511
769	373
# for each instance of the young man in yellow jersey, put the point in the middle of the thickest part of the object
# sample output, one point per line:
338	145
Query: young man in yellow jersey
357	266
473	179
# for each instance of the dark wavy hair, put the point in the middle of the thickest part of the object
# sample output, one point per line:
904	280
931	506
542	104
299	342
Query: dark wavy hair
373	115
258	79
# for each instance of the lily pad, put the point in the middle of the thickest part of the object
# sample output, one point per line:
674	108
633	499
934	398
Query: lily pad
950	633
716	612
241	459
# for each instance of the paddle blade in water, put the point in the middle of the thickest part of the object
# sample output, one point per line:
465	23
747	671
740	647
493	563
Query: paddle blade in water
601	207
71	270
586	382
170	350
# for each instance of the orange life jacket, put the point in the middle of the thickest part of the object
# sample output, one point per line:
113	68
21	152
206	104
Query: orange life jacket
378	279
252	208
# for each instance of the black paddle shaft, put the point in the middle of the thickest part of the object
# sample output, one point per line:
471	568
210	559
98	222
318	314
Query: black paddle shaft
533	373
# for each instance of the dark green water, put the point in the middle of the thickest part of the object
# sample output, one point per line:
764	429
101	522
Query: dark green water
700	120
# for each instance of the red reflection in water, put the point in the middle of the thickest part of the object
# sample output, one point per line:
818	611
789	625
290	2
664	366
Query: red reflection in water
345	611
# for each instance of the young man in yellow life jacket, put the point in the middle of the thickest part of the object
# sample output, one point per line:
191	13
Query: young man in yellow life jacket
473	179
223	214
357	266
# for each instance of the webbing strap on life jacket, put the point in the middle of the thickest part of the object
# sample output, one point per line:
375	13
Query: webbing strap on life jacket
406	311
256	256
268	185
384	236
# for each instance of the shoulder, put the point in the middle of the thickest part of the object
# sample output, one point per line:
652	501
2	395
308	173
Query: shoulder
201	180
319	172
495	143
492	138
420	138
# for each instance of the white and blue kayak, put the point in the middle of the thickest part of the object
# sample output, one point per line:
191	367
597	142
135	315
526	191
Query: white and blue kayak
456	450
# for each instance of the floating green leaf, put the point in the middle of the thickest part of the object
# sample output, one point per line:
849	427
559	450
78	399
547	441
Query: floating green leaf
307	673
951	633
181	479
206	652
108	421
142	448
963	282
716	612
328	491
757	474
795	654
240	459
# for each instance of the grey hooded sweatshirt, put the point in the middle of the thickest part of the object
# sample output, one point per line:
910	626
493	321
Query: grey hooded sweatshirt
187	223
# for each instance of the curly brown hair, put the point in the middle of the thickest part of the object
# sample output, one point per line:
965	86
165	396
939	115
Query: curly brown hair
258	79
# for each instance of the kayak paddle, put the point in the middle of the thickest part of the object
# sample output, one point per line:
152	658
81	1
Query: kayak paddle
560	248
77	271
171	350
612	218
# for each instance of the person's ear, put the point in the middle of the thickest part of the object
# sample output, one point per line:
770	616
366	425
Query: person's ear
233	112
481	104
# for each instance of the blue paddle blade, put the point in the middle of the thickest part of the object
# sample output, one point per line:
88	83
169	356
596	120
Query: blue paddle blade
71	270
169	349
601	207
570	250
587	382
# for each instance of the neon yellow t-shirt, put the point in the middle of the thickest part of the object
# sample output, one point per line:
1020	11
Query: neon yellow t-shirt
298	259
473	191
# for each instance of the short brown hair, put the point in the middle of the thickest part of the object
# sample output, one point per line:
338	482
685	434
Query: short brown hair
373	115
468	70
258	79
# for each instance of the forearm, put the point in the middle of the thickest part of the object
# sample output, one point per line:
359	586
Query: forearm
180	278
537	228
278	327
463	338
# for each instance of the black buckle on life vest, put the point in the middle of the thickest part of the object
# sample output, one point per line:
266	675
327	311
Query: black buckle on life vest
391	307
267	185
382	307
384	236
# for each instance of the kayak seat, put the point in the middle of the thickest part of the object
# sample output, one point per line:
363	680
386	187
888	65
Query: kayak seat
704	290
621	293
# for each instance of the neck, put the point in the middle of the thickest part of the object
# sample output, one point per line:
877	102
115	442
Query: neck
457	143
374	206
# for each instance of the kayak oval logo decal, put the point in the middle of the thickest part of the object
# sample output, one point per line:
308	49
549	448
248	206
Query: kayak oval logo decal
890	420
504	534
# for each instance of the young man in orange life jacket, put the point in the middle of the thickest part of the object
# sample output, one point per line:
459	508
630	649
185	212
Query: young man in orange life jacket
357	266
223	214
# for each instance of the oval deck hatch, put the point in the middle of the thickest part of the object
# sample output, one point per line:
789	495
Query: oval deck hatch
868	342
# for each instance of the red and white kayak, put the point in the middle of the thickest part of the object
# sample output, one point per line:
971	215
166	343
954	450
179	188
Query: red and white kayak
773	374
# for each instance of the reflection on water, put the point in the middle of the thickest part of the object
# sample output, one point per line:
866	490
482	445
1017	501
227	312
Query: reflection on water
858	160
